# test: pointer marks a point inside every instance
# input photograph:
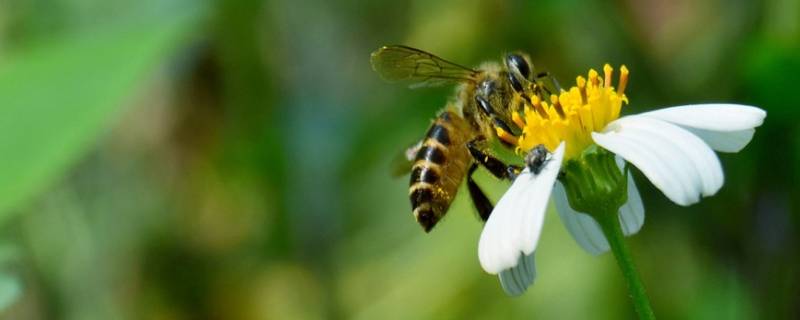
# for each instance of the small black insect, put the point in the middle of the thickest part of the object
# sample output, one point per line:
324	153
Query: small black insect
537	158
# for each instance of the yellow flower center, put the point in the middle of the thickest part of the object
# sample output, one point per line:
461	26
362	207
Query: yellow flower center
572	115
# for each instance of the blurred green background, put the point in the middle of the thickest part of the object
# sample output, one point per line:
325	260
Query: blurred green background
230	160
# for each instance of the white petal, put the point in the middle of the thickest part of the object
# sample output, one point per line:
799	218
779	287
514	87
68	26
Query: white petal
733	141
583	228
724	127
514	226
517	279
712	117
676	161
631	214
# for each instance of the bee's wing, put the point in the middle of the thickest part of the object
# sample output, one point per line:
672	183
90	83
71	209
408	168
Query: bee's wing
422	69
404	161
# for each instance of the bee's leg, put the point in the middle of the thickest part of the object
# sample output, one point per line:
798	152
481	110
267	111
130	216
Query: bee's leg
504	132
488	111
479	199
496	167
543	74
553	81
556	84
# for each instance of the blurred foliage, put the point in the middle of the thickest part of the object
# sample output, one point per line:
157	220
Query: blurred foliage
172	159
58	95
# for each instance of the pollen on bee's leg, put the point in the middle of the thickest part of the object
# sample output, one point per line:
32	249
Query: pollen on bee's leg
505	136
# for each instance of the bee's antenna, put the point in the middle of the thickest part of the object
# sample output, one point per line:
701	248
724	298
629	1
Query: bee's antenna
556	84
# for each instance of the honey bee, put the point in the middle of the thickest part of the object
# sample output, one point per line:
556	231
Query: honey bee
458	140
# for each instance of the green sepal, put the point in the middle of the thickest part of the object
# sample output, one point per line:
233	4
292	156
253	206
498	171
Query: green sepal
594	183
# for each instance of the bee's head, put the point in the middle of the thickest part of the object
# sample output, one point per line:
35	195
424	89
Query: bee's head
493	96
519	70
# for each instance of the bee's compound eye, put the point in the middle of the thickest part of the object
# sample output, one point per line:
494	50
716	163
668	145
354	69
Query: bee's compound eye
517	63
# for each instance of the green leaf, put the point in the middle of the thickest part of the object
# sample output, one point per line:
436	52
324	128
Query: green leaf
58	97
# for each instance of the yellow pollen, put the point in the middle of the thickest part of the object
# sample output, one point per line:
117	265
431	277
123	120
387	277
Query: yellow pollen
557	106
537	105
581	81
572	115
517	119
594	77
623	80
507	137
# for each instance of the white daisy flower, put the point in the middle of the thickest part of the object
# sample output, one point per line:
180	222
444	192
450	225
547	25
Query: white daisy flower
672	147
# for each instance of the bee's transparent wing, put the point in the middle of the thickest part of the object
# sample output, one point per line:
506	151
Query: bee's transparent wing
422	69
404	161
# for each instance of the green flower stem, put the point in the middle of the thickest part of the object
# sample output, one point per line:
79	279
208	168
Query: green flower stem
613	232
595	185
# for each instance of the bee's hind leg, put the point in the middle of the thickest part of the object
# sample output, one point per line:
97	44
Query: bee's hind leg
479	199
495	166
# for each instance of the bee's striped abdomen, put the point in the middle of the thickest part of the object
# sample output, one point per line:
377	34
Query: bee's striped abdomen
440	165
